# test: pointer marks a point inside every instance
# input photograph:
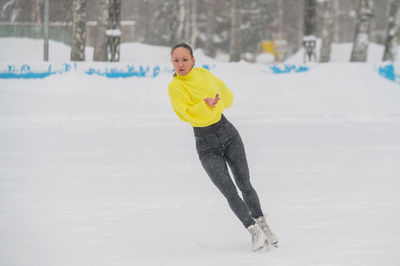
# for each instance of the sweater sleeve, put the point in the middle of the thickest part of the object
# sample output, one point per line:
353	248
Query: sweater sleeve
188	111
225	93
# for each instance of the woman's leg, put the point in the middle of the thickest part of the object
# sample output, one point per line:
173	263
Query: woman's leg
236	157
215	165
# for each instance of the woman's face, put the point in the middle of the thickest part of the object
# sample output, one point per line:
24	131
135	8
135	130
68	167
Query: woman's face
182	61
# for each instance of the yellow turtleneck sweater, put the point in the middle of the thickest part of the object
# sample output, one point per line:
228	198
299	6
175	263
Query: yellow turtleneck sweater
187	95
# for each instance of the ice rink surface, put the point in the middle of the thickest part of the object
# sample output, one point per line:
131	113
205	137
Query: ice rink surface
97	171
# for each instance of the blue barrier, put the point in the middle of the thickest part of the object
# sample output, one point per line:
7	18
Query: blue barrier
119	70
288	69
25	71
25	75
388	72
130	72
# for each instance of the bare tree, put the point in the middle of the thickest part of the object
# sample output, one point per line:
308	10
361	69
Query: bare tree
108	37
325	51
234	47
210	28
392	32
38	11
100	47
336	23
114	31
361	37
187	22
280	42
309	39
298	29
78	30
280	12
178	22
275	27
193	24
142	19
11	10
309	18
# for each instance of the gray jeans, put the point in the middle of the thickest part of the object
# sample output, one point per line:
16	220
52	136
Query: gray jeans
218	146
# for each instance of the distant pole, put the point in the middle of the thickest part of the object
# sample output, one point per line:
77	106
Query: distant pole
46	30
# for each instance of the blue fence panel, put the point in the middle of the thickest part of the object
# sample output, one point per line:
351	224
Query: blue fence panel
118	70
284	69
387	71
114	70
40	70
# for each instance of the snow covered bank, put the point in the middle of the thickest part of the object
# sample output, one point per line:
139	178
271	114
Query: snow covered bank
341	53
326	92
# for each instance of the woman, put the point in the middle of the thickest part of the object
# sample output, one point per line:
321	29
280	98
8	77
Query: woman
199	98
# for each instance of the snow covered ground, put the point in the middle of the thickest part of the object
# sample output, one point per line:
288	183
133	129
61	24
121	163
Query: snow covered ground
98	171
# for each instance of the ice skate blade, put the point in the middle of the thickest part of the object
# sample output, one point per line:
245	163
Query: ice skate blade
274	244
258	249
264	249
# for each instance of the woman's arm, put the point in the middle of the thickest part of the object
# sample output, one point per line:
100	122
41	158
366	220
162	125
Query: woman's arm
187	110
224	92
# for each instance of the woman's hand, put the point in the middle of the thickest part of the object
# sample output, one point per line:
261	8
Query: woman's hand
212	102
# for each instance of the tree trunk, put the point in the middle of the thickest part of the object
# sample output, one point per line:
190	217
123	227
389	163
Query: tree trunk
300	28
276	25
210	30
78	31
46	26
114	31
178	22
234	51
181	20
174	23
336	5
280	41
11	10
326	32
361	37
309	18
38	11
280	21
187	22
392	32
194	24
100	47
142	23
309	39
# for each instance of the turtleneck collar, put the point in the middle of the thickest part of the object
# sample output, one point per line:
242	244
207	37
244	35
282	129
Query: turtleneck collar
187	76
